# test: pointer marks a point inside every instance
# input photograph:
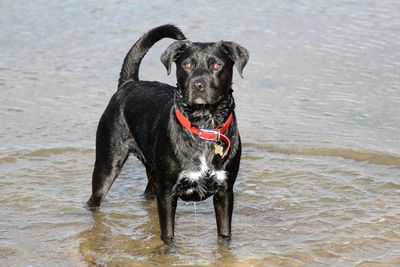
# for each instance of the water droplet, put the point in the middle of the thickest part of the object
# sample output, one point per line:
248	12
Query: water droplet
195	215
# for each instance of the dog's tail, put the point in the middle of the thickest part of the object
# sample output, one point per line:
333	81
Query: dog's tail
130	67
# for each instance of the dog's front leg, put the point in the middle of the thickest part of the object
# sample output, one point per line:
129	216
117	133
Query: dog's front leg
223	205
166	205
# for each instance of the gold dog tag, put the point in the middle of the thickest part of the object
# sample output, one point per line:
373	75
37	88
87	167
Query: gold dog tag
218	149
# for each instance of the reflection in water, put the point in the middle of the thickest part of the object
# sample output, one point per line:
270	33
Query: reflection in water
103	244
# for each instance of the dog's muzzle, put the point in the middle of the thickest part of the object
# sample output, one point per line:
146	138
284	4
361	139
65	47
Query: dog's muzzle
198	92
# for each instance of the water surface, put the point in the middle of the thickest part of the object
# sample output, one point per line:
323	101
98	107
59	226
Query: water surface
318	111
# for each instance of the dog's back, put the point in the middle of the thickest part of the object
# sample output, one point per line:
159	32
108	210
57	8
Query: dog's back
138	100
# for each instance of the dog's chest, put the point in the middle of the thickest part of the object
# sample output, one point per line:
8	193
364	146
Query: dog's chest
199	182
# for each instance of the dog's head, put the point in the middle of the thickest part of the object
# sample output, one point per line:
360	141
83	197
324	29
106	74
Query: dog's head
204	70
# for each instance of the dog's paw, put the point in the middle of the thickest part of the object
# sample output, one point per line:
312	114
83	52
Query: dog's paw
224	240
90	205
169	245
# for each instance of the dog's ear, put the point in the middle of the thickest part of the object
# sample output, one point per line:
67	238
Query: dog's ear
237	53
172	52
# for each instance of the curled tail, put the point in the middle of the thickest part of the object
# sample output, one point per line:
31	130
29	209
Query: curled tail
130	67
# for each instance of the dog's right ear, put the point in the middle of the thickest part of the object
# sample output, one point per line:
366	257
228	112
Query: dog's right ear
172	53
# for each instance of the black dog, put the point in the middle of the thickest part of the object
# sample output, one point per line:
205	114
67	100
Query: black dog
186	137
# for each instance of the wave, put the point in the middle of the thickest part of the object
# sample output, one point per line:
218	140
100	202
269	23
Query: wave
373	157
12	157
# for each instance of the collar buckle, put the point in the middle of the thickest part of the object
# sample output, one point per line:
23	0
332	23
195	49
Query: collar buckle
210	135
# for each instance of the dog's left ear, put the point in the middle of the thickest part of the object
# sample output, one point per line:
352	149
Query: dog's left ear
172	53
237	53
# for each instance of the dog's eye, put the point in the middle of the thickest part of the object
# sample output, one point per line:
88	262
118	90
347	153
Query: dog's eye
216	66
189	65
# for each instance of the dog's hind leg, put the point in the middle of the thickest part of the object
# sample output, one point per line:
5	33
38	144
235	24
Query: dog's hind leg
150	191
104	175
112	150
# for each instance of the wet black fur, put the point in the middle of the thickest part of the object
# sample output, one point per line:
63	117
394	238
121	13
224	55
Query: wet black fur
140	119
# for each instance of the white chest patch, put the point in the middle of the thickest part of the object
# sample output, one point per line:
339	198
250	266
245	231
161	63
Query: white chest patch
203	171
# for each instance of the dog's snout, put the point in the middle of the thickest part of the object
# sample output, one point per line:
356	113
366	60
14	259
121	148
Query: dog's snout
199	85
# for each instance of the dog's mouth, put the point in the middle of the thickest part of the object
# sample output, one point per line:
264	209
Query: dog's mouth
203	100
199	101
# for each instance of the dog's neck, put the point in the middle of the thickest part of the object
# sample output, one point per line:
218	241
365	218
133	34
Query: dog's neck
206	116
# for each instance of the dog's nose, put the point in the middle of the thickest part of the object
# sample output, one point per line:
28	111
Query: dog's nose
199	85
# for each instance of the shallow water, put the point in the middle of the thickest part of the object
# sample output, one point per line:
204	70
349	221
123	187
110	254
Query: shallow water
318	110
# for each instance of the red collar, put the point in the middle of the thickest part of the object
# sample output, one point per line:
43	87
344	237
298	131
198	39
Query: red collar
215	135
